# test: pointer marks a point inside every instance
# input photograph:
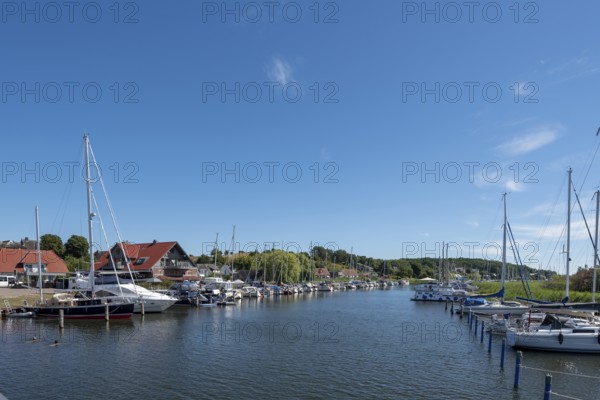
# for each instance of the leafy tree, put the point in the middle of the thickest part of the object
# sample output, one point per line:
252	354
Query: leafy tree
76	264
341	256
204	259
582	281
52	242
220	257
76	246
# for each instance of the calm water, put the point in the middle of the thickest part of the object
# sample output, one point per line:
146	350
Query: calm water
359	344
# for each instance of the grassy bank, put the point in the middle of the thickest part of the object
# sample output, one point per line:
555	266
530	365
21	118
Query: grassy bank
542	290
17	297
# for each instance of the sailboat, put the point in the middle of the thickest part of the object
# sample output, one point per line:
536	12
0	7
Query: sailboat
113	288
560	330
439	290
80	304
565	304
74	305
479	305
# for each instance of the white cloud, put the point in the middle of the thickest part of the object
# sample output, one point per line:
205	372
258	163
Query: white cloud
325	154
473	224
513	186
552	231
530	142
280	71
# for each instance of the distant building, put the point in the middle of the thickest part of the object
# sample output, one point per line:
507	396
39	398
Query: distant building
226	270
322	273
163	260
23	264
205	270
348	273
25	243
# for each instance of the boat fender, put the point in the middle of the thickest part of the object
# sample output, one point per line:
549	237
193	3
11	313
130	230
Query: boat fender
560	338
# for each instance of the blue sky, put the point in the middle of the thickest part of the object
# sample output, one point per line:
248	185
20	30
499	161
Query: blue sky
305	121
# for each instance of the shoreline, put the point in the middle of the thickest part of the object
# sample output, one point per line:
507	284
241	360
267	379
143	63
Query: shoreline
16	297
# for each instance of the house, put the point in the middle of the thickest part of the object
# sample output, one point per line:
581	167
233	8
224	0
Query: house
23	264
226	270
163	260
208	270
23	244
322	273
348	273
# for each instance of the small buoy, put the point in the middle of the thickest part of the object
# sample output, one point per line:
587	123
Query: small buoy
560	337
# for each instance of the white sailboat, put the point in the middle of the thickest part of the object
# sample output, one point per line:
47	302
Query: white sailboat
439	290
82	304
501	306
563	333
117	292
560	331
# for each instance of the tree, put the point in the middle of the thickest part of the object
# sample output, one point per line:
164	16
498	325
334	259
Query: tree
76	246
52	242
76	264
582	281
204	259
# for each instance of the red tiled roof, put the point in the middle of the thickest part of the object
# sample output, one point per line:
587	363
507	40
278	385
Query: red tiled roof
152	251
14	259
179	278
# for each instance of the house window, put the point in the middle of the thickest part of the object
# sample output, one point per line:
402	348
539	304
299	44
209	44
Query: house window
140	261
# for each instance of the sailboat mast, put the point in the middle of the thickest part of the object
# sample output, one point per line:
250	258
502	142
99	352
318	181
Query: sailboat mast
39	254
89	209
595	262
568	233
232	253
440	263
503	274
216	250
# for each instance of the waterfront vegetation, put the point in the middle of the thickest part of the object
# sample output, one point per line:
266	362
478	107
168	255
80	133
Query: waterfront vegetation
552	290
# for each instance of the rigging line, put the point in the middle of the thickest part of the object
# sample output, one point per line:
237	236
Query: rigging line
547	222
112	261
586	224
522	271
492	229
565	396
66	194
591	162
560	372
114	221
555	247
556	200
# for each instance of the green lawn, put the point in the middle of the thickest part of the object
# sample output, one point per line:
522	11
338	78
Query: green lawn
542	290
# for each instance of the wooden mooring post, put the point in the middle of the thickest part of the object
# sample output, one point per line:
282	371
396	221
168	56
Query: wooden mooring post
61	318
548	387
482	329
502	352
518	369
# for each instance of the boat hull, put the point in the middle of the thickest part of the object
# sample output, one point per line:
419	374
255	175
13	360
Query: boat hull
549	341
437	296
95	311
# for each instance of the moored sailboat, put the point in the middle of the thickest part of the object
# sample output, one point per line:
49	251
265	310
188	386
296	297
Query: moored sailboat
80	304
482	306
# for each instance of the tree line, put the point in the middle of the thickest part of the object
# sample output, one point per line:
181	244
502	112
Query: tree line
74	251
335	260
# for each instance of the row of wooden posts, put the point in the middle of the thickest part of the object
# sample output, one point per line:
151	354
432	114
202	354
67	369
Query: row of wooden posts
61	315
472	317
